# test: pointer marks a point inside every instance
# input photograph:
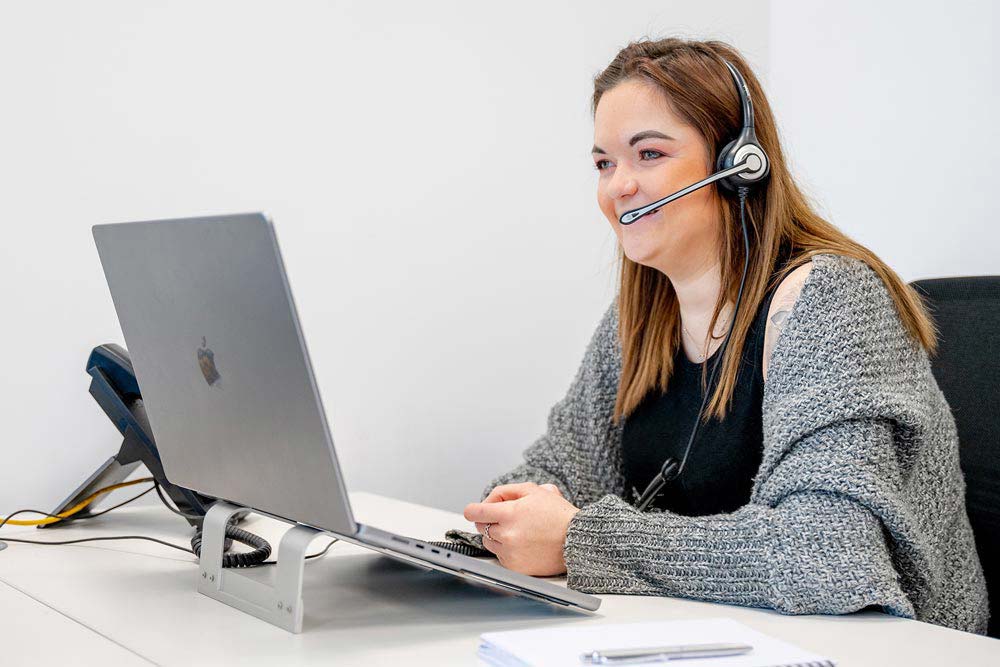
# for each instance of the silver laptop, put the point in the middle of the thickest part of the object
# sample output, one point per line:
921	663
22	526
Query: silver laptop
212	331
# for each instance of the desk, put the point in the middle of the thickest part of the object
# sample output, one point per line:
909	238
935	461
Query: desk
34	634
361	607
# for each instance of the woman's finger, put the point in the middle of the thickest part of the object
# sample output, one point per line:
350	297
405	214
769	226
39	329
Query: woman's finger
510	492
495	535
487	512
491	545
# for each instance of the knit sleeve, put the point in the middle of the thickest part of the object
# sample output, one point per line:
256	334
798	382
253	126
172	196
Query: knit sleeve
816	551
580	449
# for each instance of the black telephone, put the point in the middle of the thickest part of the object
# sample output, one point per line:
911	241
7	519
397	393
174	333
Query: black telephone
114	387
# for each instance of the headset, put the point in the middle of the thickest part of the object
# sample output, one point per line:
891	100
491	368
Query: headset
741	164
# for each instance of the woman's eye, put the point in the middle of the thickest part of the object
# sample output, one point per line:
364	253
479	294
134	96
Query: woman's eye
657	154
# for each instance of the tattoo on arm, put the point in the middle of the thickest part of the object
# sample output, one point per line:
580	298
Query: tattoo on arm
784	300
775	324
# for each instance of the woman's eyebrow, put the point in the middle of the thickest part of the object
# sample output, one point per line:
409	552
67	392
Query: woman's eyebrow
645	134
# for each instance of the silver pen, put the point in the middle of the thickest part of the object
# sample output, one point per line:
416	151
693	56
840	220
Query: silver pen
635	656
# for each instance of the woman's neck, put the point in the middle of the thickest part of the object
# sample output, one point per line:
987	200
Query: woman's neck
697	289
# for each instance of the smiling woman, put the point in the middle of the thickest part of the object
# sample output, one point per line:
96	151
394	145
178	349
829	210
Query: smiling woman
832	486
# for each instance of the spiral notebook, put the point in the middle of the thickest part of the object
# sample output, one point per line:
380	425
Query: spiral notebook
563	646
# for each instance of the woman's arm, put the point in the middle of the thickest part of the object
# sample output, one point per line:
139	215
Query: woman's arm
817	550
579	451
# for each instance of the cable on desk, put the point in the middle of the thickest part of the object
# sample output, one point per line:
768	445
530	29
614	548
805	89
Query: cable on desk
153	539
72	519
54	518
100	539
67	517
105	511
249	559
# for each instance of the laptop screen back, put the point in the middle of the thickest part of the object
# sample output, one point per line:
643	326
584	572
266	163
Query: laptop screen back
222	365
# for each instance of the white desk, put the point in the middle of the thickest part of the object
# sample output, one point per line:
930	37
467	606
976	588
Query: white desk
34	634
360	607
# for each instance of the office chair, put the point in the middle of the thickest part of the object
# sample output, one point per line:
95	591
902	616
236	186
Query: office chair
967	368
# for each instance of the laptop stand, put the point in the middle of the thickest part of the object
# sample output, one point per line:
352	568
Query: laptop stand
280	604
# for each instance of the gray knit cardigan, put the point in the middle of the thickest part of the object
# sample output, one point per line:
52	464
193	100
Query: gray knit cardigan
859	499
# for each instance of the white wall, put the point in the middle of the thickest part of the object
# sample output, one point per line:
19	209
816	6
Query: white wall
889	110
428	168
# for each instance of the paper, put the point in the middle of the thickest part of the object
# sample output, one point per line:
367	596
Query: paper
562	646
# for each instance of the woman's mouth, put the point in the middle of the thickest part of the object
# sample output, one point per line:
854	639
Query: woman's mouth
655	213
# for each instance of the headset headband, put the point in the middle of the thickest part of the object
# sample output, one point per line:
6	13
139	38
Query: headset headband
744	93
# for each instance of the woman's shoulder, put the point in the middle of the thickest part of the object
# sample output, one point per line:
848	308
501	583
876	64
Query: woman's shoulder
843	327
838	288
845	274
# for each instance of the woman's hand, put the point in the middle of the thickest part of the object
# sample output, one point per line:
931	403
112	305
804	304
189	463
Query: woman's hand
528	526
512	492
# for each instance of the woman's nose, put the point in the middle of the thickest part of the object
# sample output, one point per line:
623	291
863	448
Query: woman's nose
623	184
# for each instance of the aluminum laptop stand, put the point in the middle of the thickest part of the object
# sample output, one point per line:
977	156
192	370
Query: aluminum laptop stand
280	604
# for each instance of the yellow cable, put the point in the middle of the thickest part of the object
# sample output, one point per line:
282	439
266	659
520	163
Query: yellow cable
79	506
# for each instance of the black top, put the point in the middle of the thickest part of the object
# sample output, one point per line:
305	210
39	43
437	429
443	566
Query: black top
725	456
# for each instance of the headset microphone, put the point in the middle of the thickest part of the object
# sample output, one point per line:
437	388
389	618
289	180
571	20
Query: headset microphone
740	164
751	163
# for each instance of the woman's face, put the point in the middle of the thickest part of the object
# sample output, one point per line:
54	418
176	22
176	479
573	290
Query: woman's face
643	152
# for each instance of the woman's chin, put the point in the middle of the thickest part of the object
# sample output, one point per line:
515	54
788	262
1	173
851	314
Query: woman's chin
640	253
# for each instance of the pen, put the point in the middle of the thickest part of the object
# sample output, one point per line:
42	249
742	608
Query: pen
634	656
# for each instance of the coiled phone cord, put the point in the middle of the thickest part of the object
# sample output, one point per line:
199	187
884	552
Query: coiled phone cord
261	547
248	559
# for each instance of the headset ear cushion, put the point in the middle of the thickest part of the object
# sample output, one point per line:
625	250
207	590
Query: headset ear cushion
725	161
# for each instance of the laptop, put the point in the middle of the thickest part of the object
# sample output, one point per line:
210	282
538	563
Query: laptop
212	331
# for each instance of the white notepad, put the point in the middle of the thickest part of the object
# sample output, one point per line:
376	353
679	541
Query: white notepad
563	646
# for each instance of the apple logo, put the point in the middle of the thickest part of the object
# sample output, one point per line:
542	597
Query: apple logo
206	360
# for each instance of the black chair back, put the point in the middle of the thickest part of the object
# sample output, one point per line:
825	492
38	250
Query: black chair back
967	368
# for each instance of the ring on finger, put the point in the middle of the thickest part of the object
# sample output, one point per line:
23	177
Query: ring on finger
486	532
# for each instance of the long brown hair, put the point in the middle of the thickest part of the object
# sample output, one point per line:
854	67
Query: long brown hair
700	89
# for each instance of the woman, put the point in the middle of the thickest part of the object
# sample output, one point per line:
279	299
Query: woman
824	477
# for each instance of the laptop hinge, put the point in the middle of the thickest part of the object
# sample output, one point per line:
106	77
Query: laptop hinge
280	604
